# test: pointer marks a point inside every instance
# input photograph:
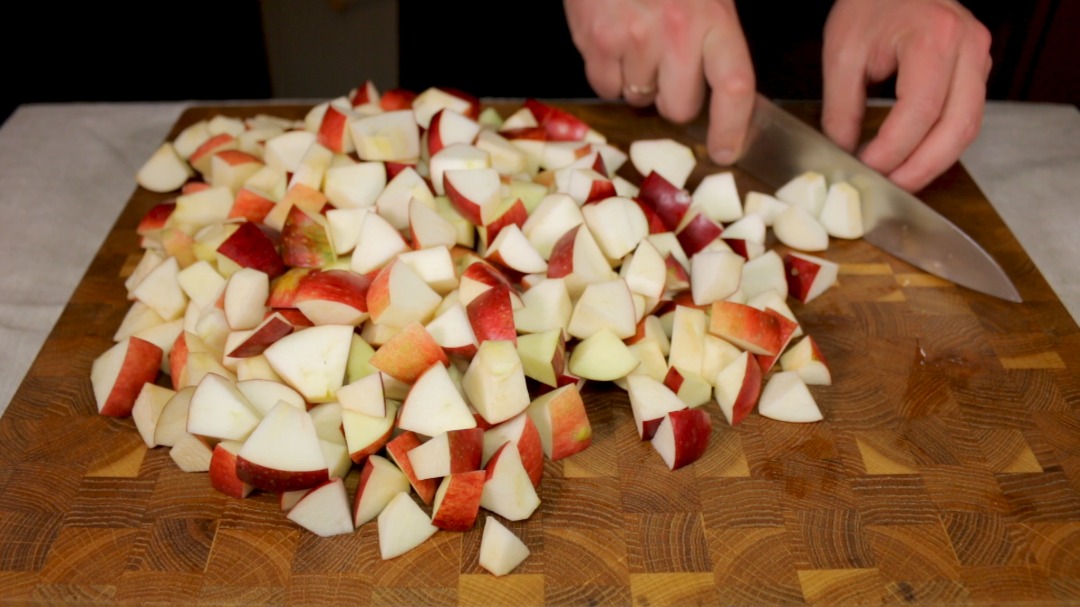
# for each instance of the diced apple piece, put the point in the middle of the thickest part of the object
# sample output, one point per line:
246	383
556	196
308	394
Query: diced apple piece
807	191
380	481
392	136
738	387
604	305
147	410
324	510
718	198
602	357
118	375
192	453
809	276
786	398
561	421
806	359
669	158
682	437
398	449
494	382
366	434
448	453
283	453
523	432
219	410
434	406
223	470
650	401
403	525
841	214
457	501
800	230
313	360
164	171
500	550
508	490
714	275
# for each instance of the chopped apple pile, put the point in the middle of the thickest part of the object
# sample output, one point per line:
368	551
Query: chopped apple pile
417	287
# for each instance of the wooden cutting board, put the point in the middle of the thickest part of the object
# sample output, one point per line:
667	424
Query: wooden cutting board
947	469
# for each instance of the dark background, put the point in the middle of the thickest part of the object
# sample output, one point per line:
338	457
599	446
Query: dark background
213	50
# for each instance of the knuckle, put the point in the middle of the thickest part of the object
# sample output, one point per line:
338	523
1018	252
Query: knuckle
738	83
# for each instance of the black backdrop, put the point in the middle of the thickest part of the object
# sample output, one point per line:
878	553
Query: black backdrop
214	49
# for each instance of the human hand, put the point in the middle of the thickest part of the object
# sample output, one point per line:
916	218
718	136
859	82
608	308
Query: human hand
666	52
941	57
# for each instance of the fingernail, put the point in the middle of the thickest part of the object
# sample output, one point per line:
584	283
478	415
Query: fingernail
723	156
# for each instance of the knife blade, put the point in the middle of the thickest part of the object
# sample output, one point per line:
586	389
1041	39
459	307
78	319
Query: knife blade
779	146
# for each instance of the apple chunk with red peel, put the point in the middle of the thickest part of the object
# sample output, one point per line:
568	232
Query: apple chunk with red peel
403	525
786	398
738	386
283	453
223	470
324	510
409	354
365	435
561	421
380	481
669	158
682	437
508	491
457	501
500	550
333	297
748	328
650	401
398	449
523	432
809	276
119	373
448	453
806	359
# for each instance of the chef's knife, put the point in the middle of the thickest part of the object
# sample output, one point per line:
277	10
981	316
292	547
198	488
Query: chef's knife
779	147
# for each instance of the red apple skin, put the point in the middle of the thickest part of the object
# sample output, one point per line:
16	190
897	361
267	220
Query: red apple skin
473	111
304	242
800	275
276	481
397	99
362	95
673	380
787	328
250	206
192	187
409	353
528	133
466	449
697	234
333	129
398	450
177	361
395	167
738	245
491	315
283	288
749	393
273	330
669	202
515	214
141	365
200	158
487	274
223	474
294	317
748	323
461	502
341	286
692	429
559	125
561	262
155	218
571	431
601	189
467	208
250	247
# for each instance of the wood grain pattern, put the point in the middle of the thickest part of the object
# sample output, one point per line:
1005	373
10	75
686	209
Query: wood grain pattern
947	469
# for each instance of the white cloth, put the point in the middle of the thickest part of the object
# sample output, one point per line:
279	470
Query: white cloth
67	170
